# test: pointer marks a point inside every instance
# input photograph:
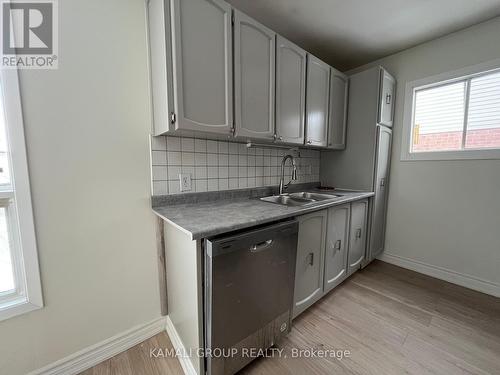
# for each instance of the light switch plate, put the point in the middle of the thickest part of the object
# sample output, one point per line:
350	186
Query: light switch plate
185	181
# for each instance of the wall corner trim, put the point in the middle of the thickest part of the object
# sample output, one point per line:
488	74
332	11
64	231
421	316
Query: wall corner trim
186	364
97	353
467	281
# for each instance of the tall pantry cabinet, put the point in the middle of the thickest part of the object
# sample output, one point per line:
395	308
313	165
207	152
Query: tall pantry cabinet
365	162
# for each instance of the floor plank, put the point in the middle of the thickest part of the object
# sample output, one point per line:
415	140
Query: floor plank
392	320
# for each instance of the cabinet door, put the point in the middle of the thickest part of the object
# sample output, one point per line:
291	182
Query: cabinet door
310	254
337	236
160	46
337	118
290	91
382	166
254	81
203	81
387	97
357	235
317	101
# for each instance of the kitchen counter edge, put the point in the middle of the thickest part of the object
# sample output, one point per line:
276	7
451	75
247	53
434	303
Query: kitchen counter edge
187	218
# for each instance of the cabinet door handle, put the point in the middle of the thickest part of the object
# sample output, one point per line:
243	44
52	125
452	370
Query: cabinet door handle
338	245
358	233
382	182
311	259
388	99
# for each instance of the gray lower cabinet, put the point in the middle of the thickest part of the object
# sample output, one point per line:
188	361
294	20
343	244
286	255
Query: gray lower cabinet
317	101
254	78
357	236
331	246
290	91
310	260
337	241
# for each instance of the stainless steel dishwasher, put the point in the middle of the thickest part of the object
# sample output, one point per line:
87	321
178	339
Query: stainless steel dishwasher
249	282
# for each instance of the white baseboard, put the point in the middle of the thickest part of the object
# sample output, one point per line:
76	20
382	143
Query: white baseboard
186	363
451	276
95	354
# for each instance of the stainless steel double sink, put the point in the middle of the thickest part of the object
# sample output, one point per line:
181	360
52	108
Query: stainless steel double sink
299	199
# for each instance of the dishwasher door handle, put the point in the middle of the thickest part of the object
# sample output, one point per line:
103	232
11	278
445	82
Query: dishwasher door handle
261	246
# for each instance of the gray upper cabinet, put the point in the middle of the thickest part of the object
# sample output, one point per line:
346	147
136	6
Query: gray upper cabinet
337	119
386	98
357	236
337	238
381	183
202	65
291	62
254	78
214	70
317	101
160	46
310	258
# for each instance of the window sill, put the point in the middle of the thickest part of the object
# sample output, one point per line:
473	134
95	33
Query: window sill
452	155
17	307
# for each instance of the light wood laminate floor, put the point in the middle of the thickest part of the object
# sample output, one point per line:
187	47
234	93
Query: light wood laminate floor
393	321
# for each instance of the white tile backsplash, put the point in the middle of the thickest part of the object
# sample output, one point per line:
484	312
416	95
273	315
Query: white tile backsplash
173	143
221	165
159	143
211	146
200	172
173	172
201	185
174	158
159	157
212	160
213	185
187	144
233	183
160	187
213	172
200	145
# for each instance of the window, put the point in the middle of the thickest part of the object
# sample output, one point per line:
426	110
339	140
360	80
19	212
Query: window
19	275
454	118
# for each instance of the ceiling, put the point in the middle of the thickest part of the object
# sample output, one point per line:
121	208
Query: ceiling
350	33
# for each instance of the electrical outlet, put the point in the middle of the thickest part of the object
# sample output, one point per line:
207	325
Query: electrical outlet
185	180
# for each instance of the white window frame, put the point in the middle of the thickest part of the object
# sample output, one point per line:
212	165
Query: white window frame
27	295
409	113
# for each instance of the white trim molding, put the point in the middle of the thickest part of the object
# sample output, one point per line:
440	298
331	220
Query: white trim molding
186	364
22	240
408	110
95	354
445	274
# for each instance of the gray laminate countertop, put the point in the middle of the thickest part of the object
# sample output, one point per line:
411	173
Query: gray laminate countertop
208	219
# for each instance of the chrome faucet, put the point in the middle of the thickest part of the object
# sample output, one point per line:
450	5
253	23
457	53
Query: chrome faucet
294	173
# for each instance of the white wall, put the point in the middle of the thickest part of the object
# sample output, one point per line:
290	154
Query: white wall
87	127
445	213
